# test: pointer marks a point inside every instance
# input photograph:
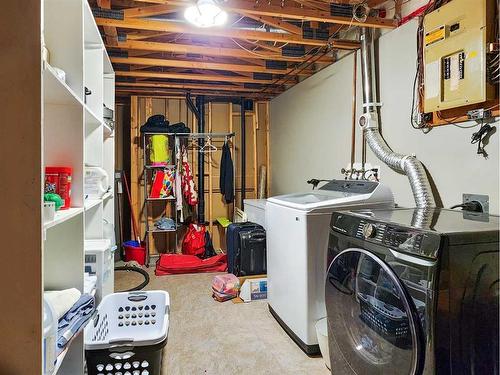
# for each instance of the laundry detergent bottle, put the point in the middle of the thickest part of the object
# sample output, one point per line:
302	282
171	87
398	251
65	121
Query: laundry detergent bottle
49	337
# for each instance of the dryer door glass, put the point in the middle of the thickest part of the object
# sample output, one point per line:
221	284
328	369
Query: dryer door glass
372	324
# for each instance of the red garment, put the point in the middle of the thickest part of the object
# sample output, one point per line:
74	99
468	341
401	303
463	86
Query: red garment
188	188
171	264
194	240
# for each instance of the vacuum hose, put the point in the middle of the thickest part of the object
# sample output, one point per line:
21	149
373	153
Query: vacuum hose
408	165
138	270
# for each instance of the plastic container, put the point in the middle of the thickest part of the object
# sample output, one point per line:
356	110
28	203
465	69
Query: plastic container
99	261
49	337
58	180
96	182
128	333
322	333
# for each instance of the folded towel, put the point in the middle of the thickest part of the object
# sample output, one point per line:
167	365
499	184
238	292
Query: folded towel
62	300
74	319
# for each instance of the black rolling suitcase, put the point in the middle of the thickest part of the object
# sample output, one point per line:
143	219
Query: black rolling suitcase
233	241
251	255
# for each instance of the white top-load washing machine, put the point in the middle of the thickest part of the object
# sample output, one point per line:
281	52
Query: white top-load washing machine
297	241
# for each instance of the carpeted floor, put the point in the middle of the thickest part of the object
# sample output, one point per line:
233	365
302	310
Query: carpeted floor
208	337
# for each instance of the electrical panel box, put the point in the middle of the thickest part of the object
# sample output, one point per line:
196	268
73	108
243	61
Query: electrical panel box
455	47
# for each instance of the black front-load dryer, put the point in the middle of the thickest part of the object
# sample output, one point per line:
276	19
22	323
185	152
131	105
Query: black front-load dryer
410	291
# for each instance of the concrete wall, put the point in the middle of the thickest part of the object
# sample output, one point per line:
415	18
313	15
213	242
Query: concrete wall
311	127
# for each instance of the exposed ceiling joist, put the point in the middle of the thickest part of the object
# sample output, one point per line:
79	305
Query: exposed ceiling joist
276	22
186	86
193	77
290	12
209	51
315	5
148	11
198	65
176	27
172	92
110	33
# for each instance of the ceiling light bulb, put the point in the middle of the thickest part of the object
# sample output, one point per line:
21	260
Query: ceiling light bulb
205	13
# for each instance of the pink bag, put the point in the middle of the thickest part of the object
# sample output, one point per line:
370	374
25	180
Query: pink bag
225	287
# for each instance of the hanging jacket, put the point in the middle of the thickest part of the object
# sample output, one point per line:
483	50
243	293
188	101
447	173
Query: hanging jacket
226	181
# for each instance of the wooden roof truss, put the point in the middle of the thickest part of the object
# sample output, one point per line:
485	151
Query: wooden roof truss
266	47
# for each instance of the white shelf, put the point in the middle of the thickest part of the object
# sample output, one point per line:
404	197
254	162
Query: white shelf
62	215
91	203
108	132
60	359
91	117
57	91
108	195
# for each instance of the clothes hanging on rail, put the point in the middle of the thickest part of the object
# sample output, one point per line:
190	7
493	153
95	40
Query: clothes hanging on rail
184	179
226	174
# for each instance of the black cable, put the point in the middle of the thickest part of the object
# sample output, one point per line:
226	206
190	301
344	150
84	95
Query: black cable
474	206
138	270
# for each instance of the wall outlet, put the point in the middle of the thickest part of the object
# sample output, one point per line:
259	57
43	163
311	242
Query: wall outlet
484	200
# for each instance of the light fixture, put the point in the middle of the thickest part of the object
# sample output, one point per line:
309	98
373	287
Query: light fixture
205	13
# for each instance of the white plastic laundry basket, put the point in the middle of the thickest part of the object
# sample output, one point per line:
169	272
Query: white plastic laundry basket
322	333
128	332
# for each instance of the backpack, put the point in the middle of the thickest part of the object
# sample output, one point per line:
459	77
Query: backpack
194	240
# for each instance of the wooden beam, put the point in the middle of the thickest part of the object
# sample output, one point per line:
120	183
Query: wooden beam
193	77
175	27
196	65
315	5
145	34
168	92
187	86
290	12
276	22
301	14
110	33
152	10
202	50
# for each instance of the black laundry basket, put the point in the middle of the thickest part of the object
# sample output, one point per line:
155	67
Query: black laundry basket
128	334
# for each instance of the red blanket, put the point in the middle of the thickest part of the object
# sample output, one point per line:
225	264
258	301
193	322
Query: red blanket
171	264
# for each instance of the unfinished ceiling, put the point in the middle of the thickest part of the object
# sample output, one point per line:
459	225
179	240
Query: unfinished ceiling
265	47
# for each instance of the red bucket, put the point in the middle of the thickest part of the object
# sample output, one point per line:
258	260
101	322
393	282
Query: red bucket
135	251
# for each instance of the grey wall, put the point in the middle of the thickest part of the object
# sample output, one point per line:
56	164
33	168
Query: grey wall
311	127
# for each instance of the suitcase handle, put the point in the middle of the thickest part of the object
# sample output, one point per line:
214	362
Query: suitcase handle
259	237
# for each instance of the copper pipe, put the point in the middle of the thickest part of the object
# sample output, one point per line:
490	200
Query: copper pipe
353	132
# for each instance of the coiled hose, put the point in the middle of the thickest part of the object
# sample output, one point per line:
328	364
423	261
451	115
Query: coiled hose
138	270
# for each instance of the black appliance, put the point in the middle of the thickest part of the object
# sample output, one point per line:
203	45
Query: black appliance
412	291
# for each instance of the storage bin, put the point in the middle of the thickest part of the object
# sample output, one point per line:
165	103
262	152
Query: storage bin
99	261
255	209
128	334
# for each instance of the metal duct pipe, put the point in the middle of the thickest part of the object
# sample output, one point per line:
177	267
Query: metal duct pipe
405	164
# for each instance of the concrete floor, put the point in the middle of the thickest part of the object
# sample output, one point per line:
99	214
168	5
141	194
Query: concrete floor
213	338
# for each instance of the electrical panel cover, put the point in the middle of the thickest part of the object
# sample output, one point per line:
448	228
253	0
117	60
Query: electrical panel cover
455	46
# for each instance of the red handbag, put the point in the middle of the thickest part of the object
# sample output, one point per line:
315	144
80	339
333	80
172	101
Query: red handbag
194	240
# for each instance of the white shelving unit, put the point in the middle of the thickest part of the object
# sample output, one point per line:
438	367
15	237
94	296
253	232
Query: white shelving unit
74	134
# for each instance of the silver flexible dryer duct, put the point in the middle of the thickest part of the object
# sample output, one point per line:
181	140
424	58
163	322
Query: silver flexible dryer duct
406	164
